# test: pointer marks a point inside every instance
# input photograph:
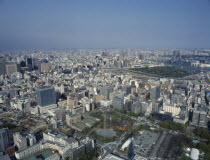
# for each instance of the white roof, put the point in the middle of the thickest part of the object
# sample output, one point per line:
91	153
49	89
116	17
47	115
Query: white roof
194	154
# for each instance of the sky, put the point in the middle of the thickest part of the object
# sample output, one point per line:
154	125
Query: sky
48	24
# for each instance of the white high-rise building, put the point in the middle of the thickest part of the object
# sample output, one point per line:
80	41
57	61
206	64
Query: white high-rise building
20	141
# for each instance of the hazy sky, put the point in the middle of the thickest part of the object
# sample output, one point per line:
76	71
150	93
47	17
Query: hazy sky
34	24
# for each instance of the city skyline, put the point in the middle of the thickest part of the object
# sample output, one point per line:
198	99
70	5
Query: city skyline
104	79
105	24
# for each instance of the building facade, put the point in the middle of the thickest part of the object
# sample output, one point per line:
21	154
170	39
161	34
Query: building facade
45	96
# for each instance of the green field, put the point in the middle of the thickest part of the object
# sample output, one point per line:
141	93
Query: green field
165	71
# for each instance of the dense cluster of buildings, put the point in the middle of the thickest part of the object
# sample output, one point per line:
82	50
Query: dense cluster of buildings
59	88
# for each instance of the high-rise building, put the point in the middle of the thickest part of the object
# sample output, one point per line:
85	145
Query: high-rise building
119	64
118	102
22	64
7	58
11	68
136	107
16	136
44	67
203	120
127	89
72	101
20	141
131	150
31	139
45	95
106	90
3	66
155	92
199	118
29	63
4	138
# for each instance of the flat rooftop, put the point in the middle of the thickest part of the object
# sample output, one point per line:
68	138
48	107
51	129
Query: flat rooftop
39	156
44	87
112	157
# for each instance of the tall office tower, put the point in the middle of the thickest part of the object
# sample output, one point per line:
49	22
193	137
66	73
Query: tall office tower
177	99
106	90
29	63
203	120
195	118
7	58
16	136
123	55
131	150
119	64
4	138
127	89
44	67
20	141
72	101
22	64
2	66
45	95
105	54
11	68
155	92
136	107
31	139
158	105
177	56
118	102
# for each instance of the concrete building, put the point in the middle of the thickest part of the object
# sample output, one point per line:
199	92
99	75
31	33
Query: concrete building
11	68
85	146
106	90
29	151
3	66
112	157
20	141
72	101
45	95
127	89
4	138
155	92
118	102
44	67
136	107
29	63
199	118
31	139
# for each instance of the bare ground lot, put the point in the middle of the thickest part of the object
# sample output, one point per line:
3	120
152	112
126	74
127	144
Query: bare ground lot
171	147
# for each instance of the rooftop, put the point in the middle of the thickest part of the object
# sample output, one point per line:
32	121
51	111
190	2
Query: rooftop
44	87
113	157
39	156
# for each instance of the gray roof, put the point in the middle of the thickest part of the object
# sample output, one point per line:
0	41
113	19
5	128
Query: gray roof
71	140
